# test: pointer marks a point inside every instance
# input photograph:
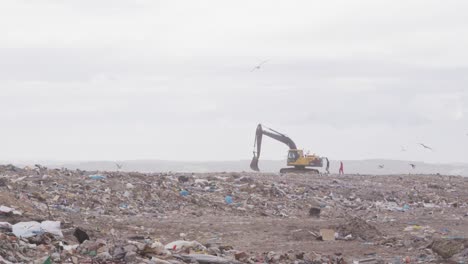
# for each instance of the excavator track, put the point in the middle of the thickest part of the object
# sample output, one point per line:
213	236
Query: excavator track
299	170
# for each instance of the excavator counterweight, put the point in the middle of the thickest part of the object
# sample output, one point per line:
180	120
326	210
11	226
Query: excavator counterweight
296	157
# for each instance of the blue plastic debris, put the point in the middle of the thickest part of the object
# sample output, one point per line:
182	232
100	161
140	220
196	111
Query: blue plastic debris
97	177
184	193
228	199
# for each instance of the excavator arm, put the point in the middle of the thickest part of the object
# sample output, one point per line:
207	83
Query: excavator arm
258	143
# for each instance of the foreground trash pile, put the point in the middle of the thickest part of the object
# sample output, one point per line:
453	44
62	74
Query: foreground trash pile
64	216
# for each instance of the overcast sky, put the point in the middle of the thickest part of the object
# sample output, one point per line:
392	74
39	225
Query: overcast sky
113	80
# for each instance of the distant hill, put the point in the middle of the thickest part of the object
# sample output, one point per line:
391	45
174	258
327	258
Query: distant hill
350	166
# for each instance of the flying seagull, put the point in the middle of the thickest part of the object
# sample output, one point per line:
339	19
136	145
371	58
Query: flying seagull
381	166
412	165
119	166
424	146
258	66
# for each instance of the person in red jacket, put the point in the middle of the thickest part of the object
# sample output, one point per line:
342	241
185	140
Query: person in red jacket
341	168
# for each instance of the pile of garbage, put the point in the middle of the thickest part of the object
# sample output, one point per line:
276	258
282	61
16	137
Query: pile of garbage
42	243
356	228
38	194
74	216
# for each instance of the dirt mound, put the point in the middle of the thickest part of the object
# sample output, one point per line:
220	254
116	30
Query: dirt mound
447	248
358	228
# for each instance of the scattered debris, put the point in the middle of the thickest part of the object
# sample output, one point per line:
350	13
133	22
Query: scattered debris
228	199
447	248
72	216
80	235
314	212
30	229
97	177
358	228
182	245
327	234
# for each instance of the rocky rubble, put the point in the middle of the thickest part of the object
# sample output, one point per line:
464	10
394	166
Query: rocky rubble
117	217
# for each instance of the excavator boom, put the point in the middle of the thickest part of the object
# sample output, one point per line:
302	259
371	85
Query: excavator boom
258	143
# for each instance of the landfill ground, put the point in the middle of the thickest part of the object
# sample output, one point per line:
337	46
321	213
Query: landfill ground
228	217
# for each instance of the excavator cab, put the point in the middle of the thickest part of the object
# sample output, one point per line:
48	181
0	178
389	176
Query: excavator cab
293	155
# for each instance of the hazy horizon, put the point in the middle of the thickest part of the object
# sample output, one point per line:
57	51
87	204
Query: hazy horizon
371	166
40	161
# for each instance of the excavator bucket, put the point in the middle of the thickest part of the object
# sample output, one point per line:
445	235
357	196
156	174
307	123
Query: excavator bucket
254	163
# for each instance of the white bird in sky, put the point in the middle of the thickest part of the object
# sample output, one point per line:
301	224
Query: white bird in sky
259	66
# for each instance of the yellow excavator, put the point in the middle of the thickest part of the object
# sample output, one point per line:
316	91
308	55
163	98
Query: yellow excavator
296	157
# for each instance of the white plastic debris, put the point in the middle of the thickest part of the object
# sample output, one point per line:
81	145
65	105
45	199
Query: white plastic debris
52	227
68	247
6	209
157	248
18	179
201	181
30	229
181	244
27	229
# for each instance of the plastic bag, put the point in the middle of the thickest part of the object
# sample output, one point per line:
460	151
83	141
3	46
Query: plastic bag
30	229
